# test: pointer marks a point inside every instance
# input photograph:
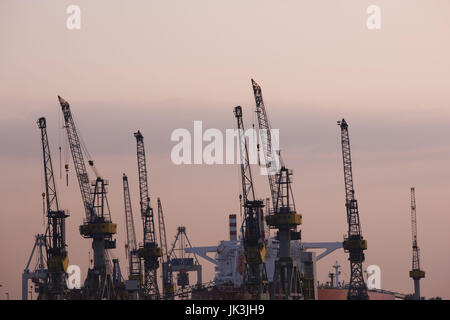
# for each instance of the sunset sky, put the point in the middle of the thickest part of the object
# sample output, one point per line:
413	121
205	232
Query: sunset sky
160	65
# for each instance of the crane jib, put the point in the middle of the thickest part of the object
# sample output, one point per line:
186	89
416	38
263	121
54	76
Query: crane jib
78	158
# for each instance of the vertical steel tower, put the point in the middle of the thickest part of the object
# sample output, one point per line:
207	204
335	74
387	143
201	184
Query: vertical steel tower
354	243
57	258
255	275
287	283
416	273
149	252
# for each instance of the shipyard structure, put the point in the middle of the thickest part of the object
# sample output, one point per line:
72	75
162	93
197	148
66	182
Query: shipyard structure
264	257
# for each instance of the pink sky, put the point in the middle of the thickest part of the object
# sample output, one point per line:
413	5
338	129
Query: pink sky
160	65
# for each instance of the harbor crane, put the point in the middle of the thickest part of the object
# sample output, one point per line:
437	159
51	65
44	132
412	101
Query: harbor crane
57	257
354	243
134	282
97	224
416	273
167	277
287	281
149	251
255	281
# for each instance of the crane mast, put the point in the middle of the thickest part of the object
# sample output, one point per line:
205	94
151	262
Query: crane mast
416	273
134	271
57	258
168	286
255	275
97	225
150	252
354	243
287	280
271	159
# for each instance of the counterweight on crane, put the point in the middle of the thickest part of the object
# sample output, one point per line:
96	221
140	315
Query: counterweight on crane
134	268
97	225
354	243
167	277
57	258
255	281
416	273
149	252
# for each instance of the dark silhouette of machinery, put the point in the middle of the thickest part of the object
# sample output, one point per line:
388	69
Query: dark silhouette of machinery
97	224
354	243
255	283
149	252
416	273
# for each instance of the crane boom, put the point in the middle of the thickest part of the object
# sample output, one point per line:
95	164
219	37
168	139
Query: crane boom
162	232
354	242
50	186
248	190
272	160
146	210
142	171
354	228
77	156
134	262
415	261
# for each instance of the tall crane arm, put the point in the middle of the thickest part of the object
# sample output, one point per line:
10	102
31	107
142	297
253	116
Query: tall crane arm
50	186
265	135
354	228
135	265
78	159
146	210
416	271
248	191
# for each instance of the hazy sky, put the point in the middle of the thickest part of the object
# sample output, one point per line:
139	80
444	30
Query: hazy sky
160	65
